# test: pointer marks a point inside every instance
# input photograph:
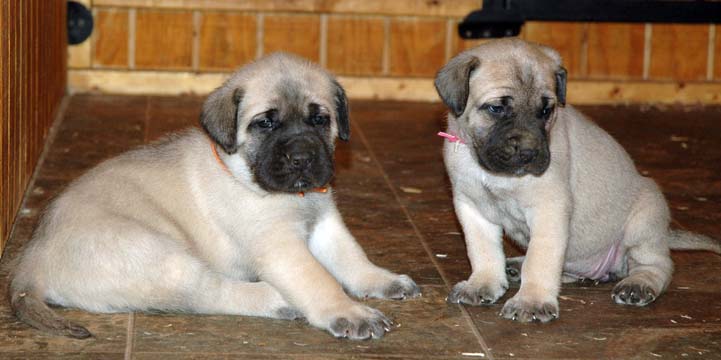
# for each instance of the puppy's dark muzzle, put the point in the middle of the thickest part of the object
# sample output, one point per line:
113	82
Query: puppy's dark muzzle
517	152
298	162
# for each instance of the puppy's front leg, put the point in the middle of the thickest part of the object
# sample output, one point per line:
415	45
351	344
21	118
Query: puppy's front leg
334	246
286	263
484	244
537	299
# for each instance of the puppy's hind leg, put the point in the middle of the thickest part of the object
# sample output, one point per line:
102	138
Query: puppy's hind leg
195	288
216	294
646	238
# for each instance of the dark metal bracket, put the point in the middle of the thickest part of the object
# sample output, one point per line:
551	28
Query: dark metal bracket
499	18
80	23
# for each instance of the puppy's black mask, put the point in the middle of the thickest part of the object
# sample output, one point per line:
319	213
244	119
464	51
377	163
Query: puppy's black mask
290	145
517	142
294	152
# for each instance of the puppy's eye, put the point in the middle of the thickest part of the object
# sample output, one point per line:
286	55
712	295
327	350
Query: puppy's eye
494	109
266	123
319	119
546	112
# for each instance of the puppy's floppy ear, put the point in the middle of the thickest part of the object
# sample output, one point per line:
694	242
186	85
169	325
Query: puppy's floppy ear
561	78
452	82
218	117
341	109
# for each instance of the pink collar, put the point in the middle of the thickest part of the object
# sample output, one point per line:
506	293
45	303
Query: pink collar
451	138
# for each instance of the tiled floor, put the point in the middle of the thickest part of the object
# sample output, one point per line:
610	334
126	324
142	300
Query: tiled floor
393	192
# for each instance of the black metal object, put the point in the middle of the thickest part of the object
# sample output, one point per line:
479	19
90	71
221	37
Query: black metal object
500	18
80	23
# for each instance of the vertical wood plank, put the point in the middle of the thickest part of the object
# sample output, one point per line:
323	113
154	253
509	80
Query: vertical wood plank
679	52
615	51
110	38
299	34
164	39
417	47
567	38
32	83
717	54
355	45
227	40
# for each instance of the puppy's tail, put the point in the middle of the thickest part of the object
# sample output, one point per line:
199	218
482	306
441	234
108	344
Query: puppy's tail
684	240
32	310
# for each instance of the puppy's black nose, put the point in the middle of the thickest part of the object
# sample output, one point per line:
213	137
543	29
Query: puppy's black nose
527	155
300	160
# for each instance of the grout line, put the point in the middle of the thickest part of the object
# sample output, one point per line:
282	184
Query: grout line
323	48
259	34
647	36
195	49
92	40
449	38
146	120
711	53
129	337
584	50
420	237
386	45
132	14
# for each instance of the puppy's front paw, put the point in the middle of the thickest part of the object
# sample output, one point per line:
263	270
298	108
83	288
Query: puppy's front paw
630	292
360	323
387	286
467	293
401	288
525	309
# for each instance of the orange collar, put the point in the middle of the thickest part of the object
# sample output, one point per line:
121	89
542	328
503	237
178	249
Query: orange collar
217	157
322	189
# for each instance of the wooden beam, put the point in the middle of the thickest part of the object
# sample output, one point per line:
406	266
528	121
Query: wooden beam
393	88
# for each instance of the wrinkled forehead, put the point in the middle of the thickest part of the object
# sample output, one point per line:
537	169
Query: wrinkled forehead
286	92
512	76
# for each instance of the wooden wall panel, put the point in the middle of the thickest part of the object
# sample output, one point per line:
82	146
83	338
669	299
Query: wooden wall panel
417	47
355	45
717	53
110	38
376	41
567	38
164	40
227	40
457	8
615	51
679	51
298	34
33	55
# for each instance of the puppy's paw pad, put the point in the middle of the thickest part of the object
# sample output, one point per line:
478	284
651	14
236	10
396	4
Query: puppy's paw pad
633	293
465	293
288	313
402	288
522	310
373	326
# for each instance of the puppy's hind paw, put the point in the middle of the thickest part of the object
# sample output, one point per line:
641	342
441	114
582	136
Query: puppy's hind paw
632	293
